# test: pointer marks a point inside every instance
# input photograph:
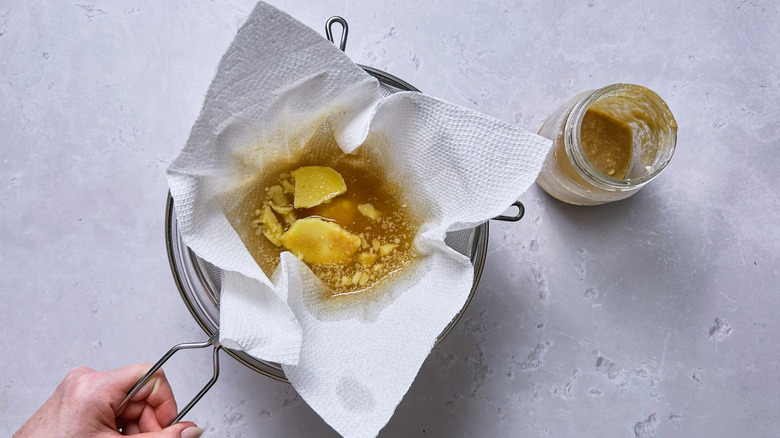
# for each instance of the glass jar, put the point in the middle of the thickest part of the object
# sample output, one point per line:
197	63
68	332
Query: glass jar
595	172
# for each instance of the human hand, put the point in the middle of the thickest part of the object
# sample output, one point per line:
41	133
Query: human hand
86	401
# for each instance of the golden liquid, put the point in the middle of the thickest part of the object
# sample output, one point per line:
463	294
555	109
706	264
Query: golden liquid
366	183
607	143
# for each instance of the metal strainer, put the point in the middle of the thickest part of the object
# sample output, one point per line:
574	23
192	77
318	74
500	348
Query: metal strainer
199	282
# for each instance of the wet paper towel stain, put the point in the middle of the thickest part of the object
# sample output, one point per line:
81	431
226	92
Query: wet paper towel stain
354	396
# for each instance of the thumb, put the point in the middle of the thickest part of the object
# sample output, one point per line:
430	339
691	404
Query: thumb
186	429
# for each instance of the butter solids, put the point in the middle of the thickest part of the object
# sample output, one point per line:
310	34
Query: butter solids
314	240
315	185
351	239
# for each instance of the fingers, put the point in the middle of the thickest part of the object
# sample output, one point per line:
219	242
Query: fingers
144	415
133	410
124	378
131	428
156	393
181	430
151	408
160	403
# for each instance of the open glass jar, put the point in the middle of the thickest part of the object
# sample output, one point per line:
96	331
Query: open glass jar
607	144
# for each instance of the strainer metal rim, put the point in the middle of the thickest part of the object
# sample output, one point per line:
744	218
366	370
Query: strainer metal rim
477	254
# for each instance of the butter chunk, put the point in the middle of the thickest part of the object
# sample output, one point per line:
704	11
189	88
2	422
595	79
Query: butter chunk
315	185
367	258
281	210
387	248
287	213
369	211
289	218
316	241
276	193
288	186
272	229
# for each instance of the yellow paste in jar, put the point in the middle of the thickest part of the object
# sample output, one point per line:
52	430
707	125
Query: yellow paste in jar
606	142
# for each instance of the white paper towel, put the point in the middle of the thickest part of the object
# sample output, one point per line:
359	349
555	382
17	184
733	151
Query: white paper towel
353	362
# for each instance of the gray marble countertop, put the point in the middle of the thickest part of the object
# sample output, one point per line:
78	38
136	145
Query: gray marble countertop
654	316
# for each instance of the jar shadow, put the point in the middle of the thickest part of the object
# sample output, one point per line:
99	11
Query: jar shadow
519	337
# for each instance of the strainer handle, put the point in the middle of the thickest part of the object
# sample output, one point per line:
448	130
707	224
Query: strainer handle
213	340
344	31
516	217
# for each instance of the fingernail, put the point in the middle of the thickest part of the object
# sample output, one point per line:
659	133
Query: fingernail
191	432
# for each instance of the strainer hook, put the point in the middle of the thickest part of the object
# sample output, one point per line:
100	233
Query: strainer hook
516	217
344	29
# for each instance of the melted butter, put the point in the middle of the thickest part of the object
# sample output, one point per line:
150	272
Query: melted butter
386	243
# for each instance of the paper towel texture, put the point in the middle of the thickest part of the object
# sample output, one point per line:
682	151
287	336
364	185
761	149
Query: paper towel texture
351	360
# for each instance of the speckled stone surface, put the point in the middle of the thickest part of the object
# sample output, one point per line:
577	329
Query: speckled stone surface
654	316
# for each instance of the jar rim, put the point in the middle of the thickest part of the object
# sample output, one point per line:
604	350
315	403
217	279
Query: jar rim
576	155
